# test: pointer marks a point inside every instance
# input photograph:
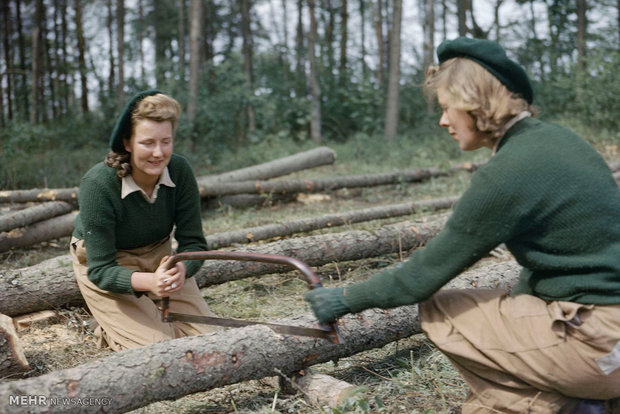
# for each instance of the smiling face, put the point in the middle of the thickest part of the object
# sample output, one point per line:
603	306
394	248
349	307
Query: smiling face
460	125
150	146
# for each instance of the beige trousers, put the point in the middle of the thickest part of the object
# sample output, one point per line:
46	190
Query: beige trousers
522	354
126	321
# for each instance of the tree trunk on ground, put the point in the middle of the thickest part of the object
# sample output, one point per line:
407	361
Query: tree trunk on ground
40	194
325	184
171	369
12	358
321	389
276	168
53	228
249	235
51	284
33	214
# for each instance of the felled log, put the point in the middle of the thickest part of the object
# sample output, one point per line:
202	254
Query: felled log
53	228
167	370
33	214
325	184
324	390
51	283
12	358
252	234
40	194
276	168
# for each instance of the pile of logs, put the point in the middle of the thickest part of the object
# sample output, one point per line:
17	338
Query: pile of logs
39	215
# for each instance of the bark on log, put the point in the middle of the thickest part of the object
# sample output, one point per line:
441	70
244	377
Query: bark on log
168	370
53	228
247	200
33	214
40	194
282	166
51	284
12	358
326	184
252	234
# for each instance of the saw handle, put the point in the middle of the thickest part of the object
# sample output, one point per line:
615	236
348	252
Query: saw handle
311	278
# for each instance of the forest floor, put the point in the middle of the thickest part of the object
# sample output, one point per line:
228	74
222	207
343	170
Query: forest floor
409	375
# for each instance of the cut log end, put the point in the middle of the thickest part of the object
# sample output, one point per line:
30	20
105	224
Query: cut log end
12	358
324	390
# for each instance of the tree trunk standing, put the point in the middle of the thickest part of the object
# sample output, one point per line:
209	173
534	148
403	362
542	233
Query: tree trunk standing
379	34
344	19
112	63
362	9
195	54
12	358
66	83
582	31
429	43
37	62
141	25
8	58
300	64
22	95
51	284
81	55
167	370
120	47
326	47
248	67
181	39
49	98
158	16
391	113
209	38
58	60
461	13
496	22
315	103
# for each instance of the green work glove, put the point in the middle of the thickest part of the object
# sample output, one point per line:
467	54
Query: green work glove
328	304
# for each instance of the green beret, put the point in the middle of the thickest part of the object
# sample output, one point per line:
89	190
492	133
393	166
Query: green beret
493	58
122	129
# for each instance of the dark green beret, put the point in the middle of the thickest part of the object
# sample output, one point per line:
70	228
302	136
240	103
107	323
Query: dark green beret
493	58
122	129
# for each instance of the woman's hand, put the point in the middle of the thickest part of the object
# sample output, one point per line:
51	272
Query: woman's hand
169	280
163	281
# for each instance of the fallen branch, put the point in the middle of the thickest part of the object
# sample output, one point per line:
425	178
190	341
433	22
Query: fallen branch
53	228
172	369
51	283
40	194
33	214
252	234
326	184
282	166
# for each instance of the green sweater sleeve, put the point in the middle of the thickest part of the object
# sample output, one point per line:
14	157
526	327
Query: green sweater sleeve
98	224
477	225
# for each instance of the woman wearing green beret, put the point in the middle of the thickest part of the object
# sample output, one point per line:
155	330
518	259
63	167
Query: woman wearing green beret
129	206
553	343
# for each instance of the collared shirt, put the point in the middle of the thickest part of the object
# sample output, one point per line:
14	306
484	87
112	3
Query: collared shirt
128	186
509	124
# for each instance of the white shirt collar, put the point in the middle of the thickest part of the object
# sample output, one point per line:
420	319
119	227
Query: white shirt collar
128	186
509	124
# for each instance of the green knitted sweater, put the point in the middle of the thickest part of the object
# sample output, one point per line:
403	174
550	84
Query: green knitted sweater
108	223
550	197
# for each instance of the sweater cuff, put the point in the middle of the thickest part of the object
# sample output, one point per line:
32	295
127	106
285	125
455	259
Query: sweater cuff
192	266
123	281
357	298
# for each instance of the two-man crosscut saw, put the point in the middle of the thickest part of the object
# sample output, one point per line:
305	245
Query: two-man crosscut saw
329	332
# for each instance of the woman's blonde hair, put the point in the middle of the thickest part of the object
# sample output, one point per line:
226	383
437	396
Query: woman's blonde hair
473	89
159	108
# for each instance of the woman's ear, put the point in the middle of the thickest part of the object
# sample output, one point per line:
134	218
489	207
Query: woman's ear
126	145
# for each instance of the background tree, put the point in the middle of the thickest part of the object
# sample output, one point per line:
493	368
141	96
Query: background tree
391	113
315	89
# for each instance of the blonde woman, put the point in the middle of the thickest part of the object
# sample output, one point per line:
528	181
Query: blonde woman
553	344
129	205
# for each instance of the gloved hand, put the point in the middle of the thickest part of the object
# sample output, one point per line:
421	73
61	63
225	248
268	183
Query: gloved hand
328	304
